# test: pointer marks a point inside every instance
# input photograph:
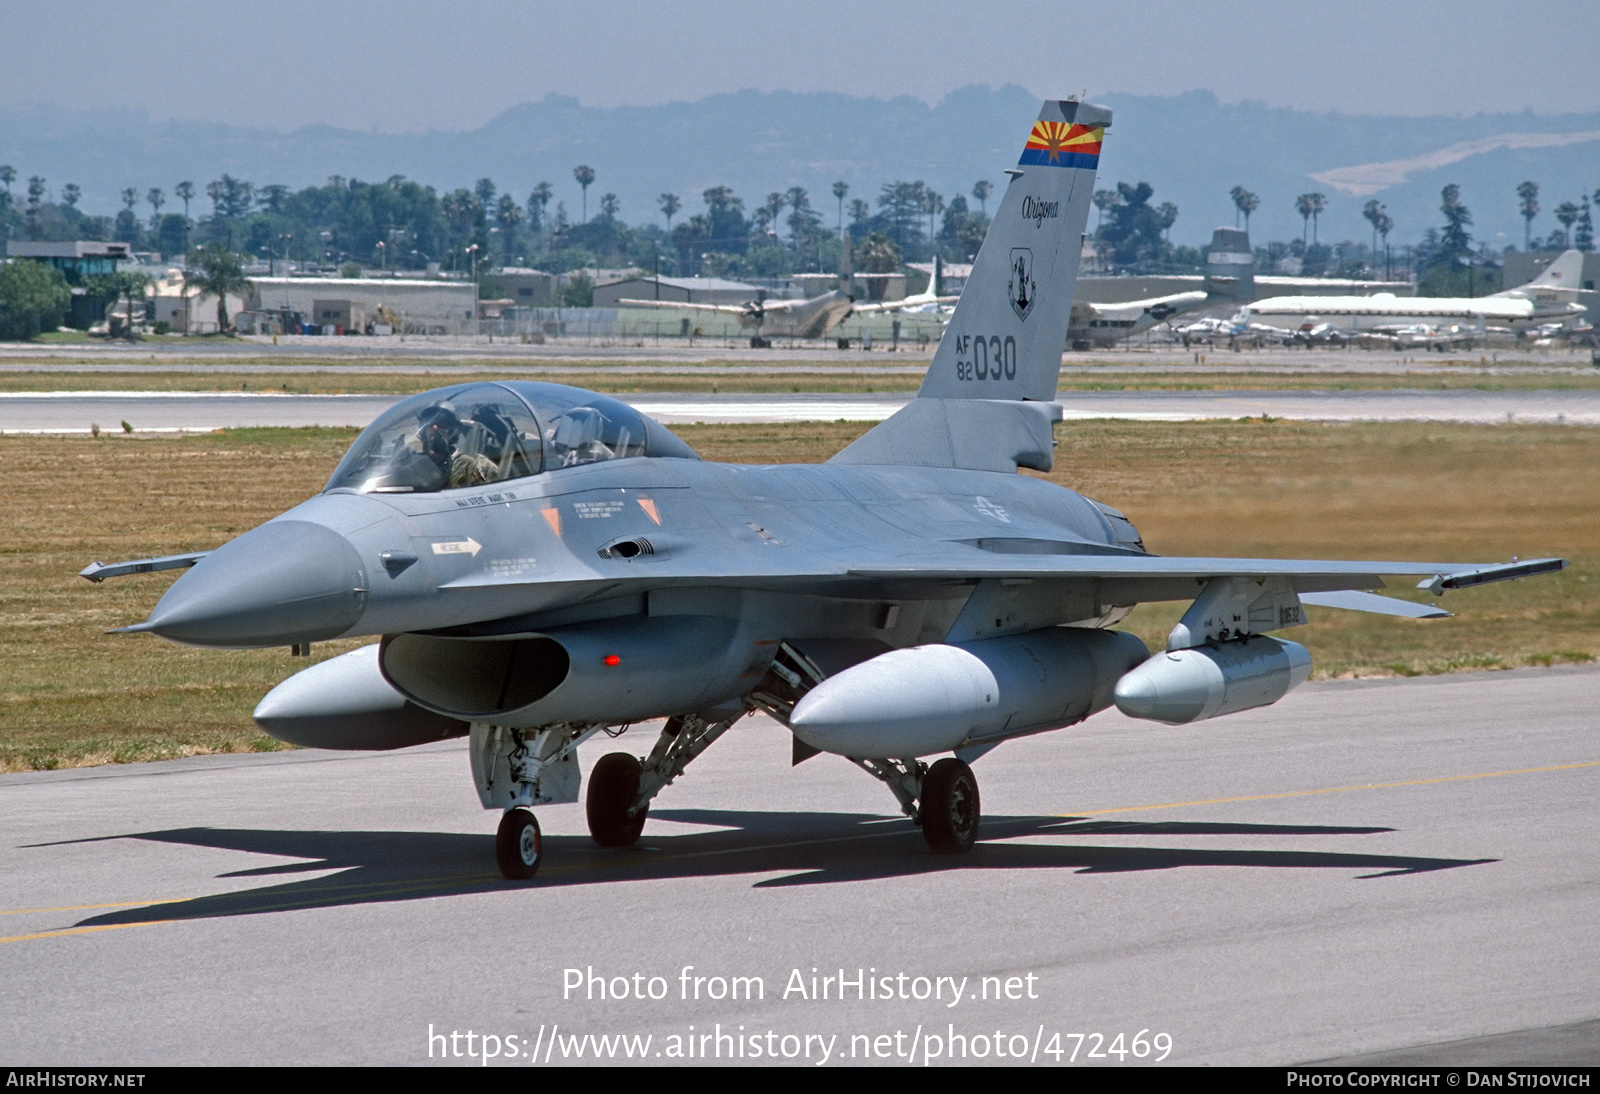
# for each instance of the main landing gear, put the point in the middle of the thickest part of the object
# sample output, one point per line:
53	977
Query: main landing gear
621	787
943	799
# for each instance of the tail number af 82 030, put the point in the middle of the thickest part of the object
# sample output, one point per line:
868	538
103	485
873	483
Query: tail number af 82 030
979	358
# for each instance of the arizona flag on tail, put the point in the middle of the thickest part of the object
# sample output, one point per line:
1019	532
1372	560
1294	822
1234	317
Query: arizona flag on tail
1063	144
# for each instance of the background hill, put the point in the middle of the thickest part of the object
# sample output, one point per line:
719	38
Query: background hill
1191	148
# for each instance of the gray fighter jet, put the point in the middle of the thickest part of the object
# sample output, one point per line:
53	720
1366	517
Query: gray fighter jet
543	564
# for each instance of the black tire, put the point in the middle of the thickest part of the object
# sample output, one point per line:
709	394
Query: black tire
613	787
949	807
518	845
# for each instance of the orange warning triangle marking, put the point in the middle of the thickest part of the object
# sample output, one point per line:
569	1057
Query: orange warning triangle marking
552	517
649	506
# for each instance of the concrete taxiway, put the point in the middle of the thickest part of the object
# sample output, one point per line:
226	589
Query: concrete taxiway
80	411
1394	870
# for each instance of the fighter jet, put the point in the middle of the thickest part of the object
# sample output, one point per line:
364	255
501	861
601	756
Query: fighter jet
543	564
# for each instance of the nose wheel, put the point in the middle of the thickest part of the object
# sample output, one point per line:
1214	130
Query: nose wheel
518	845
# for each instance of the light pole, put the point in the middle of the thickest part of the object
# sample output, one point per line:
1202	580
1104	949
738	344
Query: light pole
472	265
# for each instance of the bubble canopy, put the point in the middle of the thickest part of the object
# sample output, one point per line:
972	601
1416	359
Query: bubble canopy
477	434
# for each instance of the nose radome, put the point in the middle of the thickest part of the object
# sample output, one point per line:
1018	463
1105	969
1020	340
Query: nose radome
284	583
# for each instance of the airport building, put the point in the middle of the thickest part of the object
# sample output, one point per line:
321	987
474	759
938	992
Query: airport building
349	303
524	287
681	290
75	259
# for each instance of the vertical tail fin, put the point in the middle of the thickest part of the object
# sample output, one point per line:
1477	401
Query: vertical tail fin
1566	272
1230	266
1006	336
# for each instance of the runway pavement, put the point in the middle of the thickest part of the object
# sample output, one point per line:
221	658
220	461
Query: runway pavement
78	412
1395	869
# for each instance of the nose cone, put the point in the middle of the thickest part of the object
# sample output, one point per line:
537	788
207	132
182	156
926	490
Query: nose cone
287	582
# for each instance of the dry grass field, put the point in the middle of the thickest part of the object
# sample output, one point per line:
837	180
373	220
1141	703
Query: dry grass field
892	372
73	695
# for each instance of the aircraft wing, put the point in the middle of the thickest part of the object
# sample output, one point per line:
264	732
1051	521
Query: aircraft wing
726	309
1133	578
900	305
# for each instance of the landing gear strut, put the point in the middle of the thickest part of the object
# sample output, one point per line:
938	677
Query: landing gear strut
942	799
621	787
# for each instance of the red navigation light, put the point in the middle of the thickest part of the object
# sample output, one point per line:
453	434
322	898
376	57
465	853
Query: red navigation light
613	660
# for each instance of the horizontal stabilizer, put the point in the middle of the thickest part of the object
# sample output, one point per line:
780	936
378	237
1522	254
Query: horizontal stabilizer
975	435
1484	575
1352	600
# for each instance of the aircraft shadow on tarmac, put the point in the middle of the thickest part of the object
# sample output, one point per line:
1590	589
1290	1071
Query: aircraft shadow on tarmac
802	848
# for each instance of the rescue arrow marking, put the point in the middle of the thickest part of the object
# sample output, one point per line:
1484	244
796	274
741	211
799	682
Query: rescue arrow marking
468	546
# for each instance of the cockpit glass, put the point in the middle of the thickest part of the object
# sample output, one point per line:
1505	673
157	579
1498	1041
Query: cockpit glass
581	427
463	436
478	434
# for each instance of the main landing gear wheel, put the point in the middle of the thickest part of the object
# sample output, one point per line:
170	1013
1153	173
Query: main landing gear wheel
518	846
949	808
613	788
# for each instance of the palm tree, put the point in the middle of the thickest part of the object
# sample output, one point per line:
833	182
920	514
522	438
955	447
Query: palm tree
508	214
609	206
537	202
71	195
185	192
130	198
1384	224
8	175
1455	242
1373	211
670	204
935	206
1583	238
981	190
585	176
1308	206
1528	205
799	201
774	207
840	189
1567	214
216	271
36	191
1243	202
156	199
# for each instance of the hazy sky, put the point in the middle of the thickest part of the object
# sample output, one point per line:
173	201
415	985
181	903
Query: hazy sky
423	64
